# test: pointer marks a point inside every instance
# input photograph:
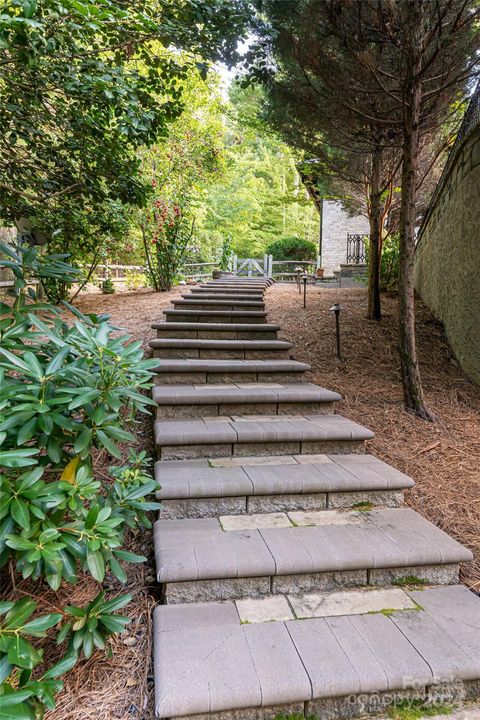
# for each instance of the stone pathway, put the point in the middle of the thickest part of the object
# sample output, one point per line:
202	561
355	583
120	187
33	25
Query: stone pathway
293	579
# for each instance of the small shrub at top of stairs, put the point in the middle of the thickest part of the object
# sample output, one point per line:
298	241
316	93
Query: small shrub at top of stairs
107	287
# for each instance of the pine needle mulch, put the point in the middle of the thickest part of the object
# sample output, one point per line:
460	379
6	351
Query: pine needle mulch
443	458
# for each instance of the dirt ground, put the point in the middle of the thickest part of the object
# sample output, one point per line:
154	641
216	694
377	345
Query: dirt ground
442	457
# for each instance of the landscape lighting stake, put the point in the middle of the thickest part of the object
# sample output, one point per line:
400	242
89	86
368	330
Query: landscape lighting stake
336	309
305	278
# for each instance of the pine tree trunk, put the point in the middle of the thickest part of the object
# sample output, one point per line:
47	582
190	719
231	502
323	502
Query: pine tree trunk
412	384
375	217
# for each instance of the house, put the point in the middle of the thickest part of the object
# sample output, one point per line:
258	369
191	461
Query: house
341	238
341	244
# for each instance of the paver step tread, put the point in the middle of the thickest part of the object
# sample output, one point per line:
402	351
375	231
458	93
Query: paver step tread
216	313
216	327
229	301
261	428
300	474
202	549
206	660
220	344
183	365
236	393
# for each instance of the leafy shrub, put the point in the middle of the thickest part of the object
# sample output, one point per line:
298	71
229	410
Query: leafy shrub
390	263
107	287
166	235
135	280
292	248
65	391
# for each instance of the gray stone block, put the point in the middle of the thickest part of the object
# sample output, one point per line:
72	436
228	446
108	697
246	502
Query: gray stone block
189	452
432	574
359	706
387	498
295	584
212	590
279	503
272	713
202	507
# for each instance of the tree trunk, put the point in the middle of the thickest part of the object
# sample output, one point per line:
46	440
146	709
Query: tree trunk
375	218
412	384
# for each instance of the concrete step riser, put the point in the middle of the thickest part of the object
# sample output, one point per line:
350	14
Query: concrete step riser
218	334
203	410
218	354
258	587
166	378
327	447
186	508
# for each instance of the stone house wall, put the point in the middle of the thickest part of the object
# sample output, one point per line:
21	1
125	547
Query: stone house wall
447	263
336	224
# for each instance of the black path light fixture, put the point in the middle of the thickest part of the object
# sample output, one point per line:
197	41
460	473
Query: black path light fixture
305	278
336	310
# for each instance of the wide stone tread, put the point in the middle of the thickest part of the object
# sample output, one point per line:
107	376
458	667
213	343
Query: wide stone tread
238	297
207	344
216	327
203	478
192	302
226	315
231	366
249	393
207	661
258	429
200	549
228	291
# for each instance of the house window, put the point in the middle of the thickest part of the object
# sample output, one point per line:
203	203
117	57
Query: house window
356	252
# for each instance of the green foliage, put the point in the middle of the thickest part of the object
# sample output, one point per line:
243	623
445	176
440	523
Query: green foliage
390	263
24	698
84	85
107	287
135	280
170	233
180	171
417	709
259	196
292	248
66	390
226	253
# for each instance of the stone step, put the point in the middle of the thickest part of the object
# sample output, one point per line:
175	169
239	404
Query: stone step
258	435
203	304
217	295
209	664
237	556
233	349
217	331
229	291
228	371
216	316
242	399
220	486
249	282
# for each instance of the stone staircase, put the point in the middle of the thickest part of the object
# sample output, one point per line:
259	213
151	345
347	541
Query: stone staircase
293	579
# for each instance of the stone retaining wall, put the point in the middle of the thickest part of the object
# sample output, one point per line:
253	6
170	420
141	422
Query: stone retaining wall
447	266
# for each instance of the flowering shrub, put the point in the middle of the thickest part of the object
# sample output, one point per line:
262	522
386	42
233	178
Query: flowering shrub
66	390
166	234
